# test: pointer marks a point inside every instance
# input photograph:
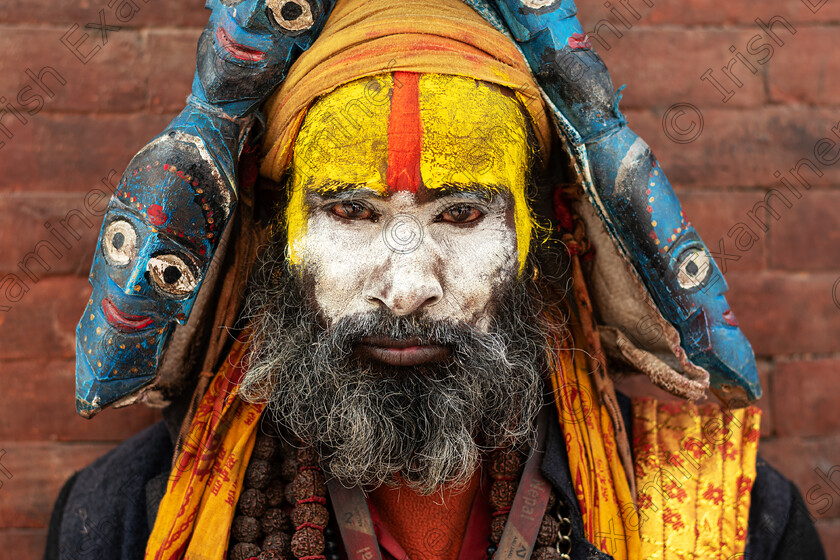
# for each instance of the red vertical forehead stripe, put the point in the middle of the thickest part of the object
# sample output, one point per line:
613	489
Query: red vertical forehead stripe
405	134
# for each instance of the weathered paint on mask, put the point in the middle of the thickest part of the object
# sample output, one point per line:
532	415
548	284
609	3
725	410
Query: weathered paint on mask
154	248
443	132
178	194
248	46
630	191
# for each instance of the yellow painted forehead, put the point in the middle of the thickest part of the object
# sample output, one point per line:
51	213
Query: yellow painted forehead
473	132
405	131
343	138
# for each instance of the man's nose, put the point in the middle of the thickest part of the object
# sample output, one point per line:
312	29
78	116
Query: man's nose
250	14
404	284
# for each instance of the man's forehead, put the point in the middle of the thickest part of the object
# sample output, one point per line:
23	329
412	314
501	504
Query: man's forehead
406	131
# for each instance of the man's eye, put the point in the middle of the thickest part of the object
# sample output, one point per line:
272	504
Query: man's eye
352	211
461	214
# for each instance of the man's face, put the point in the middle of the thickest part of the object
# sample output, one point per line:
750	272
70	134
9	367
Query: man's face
391	327
408	194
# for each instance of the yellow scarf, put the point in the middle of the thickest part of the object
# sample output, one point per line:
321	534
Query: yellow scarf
597	474
695	467
195	515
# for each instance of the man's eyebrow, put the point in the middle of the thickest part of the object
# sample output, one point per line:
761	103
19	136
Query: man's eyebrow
483	192
342	190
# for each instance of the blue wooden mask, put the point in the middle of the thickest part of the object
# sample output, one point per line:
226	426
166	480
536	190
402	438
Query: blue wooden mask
247	47
155	246
177	196
629	190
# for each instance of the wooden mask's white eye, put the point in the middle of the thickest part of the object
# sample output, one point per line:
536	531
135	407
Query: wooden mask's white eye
119	243
693	267
537	4
172	275
292	15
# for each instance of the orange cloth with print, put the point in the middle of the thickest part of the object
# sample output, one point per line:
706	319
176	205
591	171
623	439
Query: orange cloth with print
427	526
597	474
695	467
196	513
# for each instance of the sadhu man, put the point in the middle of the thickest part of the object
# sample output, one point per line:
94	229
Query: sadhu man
412	375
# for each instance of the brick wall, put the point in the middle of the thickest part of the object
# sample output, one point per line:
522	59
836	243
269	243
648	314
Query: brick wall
106	99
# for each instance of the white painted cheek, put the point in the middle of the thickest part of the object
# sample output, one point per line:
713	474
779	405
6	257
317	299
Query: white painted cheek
476	261
340	258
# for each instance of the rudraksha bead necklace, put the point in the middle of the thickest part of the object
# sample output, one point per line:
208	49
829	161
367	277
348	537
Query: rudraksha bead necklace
282	512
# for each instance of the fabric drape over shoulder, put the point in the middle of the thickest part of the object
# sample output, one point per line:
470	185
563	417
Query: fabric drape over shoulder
364	38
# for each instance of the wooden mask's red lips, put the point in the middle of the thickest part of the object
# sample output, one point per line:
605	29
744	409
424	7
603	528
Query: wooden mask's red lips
405	352
122	321
236	50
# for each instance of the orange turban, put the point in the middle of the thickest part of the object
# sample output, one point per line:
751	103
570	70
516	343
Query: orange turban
368	37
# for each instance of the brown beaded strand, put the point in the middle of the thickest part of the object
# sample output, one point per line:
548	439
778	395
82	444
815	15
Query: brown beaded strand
260	526
310	515
505	470
264	530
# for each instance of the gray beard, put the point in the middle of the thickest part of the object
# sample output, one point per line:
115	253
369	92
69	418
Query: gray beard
422	426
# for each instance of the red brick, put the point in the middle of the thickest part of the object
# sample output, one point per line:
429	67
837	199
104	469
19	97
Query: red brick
709	12
38	472
33	387
829	530
768	419
72	153
24	216
660	78
23	544
172	59
809	73
113	80
741	148
63	14
806	396
786	314
42	324
807	237
797	459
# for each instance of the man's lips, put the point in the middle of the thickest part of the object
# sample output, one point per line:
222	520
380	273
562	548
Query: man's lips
236	50
406	352
122	321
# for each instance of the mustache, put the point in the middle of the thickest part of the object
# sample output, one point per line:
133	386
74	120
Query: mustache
352	330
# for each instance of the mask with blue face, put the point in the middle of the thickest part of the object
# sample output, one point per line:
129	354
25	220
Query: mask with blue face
173	203
630	192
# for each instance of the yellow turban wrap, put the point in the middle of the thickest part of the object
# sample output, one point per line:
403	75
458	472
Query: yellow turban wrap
364	38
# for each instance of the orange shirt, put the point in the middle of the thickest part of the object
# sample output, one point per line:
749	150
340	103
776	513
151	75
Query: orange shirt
447	525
